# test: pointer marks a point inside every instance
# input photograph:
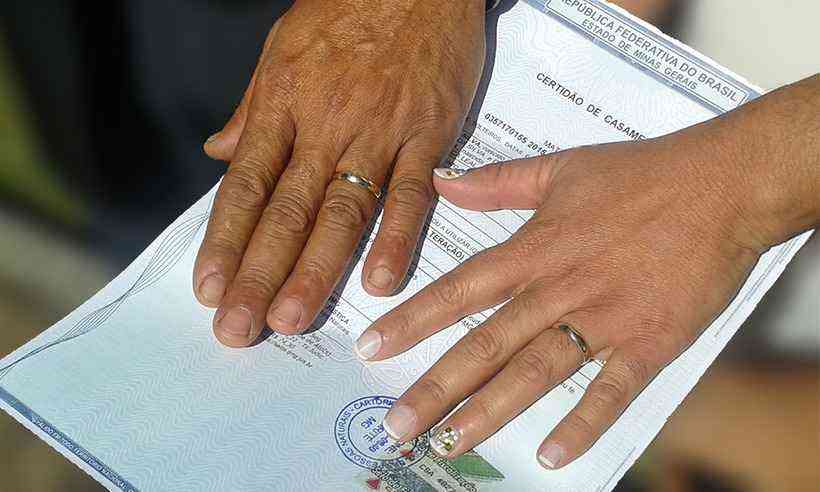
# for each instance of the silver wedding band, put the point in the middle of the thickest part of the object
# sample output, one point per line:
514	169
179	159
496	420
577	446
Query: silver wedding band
578	340
360	181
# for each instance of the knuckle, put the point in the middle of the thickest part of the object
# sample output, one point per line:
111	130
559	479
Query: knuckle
608	392
345	211
670	335
246	189
291	214
656	342
395	239
309	167
656	319
220	243
266	121
434	114
255	281
527	305
411	194
339	101
485	410
637	369
279	83
533	367
315	274
579	424
484	346
529	244
433	389
451	290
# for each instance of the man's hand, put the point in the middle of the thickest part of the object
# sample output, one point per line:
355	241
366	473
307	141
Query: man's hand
636	246
375	88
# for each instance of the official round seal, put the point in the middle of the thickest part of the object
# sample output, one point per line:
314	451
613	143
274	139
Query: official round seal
364	442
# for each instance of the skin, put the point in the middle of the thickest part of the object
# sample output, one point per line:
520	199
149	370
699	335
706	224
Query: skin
379	89
621	247
638	246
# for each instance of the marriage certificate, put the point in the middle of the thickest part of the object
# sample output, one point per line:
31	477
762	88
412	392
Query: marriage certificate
133	387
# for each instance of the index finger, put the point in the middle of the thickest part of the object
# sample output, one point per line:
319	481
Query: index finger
222	144
261	156
481	282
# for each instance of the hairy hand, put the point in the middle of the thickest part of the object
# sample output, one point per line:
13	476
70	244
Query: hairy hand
378	89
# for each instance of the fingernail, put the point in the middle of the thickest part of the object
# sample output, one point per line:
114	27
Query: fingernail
381	278
368	344
213	138
237	322
551	455
399	421
444	441
449	173
288	312
212	289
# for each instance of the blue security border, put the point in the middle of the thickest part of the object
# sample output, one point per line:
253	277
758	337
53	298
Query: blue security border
66	442
542	6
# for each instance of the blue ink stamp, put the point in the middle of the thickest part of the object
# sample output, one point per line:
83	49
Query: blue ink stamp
362	439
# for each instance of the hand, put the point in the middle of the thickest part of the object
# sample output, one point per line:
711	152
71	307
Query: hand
637	246
343	85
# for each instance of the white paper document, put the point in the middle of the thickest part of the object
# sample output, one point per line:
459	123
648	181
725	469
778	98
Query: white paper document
134	388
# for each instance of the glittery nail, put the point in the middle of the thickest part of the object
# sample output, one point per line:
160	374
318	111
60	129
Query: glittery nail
444	441
449	173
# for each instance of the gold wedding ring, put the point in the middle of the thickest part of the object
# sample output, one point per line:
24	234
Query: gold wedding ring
578	340
360	181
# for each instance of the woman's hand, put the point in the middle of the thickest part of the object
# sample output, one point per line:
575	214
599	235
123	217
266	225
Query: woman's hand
636	246
345	85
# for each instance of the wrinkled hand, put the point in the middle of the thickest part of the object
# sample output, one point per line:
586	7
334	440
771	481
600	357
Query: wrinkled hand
343	85
637	246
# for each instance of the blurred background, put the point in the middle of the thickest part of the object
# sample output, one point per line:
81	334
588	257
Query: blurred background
103	109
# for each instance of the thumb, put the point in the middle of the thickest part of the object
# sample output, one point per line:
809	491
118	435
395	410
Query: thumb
222	144
518	184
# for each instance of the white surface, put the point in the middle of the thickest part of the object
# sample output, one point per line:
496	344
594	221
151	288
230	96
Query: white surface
147	390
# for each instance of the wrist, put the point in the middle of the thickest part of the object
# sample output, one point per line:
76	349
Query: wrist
784	156
766	154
